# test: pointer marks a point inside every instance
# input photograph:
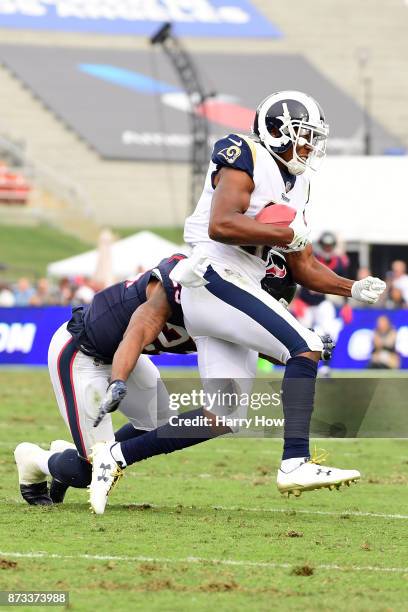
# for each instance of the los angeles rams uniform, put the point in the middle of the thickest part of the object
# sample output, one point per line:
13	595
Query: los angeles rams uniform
271	185
244	319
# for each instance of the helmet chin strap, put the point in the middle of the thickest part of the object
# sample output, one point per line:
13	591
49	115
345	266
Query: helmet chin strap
295	167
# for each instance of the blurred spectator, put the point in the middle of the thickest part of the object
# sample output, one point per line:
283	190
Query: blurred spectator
363	272
394	299
384	355
399	278
84	293
6	297
45	294
23	292
65	292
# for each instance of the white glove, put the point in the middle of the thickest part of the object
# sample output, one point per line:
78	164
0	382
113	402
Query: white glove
368	289
300	234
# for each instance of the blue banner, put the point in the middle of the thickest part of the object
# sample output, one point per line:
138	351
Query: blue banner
235	18
355	342
25	334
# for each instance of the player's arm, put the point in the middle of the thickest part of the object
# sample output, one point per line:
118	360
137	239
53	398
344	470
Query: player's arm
229	224
144	326
309	272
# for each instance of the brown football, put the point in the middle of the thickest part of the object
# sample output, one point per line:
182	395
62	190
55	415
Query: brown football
276	214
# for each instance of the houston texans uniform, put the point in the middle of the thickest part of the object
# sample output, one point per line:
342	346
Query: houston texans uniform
229	316
81	353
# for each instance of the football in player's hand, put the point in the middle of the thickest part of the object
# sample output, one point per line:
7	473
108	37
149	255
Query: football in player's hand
276	214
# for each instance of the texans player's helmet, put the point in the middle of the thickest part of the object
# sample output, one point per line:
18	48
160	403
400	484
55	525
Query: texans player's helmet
292	118
278	281
327	240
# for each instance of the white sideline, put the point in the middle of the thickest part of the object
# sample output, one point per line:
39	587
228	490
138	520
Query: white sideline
290	511
236	562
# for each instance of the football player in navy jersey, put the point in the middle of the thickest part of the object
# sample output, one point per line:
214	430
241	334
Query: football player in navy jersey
101	345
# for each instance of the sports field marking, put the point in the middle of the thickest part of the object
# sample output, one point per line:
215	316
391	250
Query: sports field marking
198	560
289	511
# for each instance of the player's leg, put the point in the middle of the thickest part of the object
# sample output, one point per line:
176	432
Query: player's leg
241	312
69	468
79	384
146	404
179	433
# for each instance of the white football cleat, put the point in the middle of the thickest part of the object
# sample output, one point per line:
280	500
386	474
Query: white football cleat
308	476
105	474
32	480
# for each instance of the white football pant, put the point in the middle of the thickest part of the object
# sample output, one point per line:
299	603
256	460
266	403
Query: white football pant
80	383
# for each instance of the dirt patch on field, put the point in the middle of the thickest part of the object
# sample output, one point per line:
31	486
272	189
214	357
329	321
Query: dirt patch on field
7	564
148	568
140	507
303	570
294	534
220	587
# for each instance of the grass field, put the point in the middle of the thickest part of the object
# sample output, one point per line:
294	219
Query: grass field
26	251
206	529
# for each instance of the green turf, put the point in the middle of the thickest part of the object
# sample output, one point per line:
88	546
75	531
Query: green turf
218	503
26	251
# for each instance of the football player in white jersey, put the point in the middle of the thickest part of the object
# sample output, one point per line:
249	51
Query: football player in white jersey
225	310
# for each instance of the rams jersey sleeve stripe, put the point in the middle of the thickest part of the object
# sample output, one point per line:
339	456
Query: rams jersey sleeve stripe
235	151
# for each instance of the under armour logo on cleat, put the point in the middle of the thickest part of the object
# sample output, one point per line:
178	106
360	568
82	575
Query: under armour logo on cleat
321	471
104	469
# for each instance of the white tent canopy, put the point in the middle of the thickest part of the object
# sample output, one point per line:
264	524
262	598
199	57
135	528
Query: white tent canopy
143	250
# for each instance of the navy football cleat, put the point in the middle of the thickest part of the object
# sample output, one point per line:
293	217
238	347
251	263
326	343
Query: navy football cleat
36	494
57	491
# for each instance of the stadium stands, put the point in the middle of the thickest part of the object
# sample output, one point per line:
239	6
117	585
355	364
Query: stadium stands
14	189
128	193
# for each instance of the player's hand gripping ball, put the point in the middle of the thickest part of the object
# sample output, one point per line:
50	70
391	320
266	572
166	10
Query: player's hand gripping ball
285	216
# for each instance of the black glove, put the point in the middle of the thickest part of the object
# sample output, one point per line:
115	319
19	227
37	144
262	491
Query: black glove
114	395
328	346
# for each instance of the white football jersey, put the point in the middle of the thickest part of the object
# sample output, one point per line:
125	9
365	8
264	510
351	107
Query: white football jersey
243	153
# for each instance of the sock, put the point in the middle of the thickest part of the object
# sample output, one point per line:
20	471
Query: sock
117	454
70	469
164	440
298	389
128	431
288	465
41	459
